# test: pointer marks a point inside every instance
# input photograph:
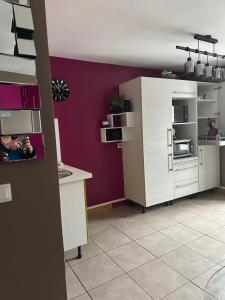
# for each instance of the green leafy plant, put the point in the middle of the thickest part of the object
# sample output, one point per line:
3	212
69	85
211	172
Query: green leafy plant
115	103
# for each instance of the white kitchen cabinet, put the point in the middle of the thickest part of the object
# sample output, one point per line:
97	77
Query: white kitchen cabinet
147	156
209	167
151	174
73	208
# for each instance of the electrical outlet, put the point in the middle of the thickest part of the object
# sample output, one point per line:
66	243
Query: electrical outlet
119	145
5	193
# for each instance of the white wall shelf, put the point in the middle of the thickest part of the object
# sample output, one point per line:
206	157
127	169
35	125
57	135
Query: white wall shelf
184	123
211	117
206	101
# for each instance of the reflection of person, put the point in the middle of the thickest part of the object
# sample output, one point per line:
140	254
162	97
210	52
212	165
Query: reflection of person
15	148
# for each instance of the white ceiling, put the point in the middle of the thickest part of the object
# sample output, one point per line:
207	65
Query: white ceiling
133	32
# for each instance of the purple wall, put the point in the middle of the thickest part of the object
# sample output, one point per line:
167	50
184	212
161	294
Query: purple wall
80	119
10	96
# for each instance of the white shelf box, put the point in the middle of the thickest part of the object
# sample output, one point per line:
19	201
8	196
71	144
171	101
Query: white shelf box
114	134
219	141
125	119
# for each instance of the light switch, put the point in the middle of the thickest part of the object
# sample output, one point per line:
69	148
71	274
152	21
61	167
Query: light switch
5	193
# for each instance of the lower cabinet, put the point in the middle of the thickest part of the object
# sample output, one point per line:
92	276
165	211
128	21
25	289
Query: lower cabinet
185	177
209	167
73	214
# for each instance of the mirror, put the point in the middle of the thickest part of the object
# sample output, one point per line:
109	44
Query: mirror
7	38
23	21
15	96
17	47
19	122
21	147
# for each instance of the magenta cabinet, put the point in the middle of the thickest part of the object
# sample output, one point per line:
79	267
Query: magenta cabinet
30	97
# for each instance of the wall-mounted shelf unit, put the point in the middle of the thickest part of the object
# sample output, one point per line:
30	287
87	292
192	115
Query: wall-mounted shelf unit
125	119
114	134
119	130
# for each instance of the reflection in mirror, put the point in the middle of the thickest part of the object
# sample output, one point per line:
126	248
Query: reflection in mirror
19	122
14	96
23	21
7	38
21	147
17	47
16	64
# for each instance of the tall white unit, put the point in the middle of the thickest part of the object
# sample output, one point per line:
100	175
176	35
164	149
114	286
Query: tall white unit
147	156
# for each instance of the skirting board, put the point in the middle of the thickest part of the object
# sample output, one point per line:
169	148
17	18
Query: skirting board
96	209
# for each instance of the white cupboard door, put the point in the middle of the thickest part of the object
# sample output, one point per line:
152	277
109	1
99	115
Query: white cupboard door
73	214
184	88
157	140
221	107
209	167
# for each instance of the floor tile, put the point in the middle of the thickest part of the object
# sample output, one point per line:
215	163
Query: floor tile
189	292
96	271
157	279
83	297
132	227
110	239
96	226
214	216
156	222
66	265
187	262
119	288
177	214
209	248
202	280
182	234
158	244
130	256
88	251
218	234
201	225
189	205
216	285
73	285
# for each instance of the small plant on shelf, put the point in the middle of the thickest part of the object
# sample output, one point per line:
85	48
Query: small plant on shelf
115	104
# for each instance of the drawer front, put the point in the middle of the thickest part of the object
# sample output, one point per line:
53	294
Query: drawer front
186	187
185	171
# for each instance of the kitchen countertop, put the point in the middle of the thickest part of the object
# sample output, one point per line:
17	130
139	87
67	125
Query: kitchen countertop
77	175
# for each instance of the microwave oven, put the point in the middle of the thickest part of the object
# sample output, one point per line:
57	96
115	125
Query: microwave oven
180	113
182	148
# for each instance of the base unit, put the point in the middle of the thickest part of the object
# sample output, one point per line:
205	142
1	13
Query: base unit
73	214
209	167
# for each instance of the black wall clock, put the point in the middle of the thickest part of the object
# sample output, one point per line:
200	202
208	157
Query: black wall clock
60	90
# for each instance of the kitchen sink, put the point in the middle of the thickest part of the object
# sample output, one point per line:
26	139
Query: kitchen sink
64	173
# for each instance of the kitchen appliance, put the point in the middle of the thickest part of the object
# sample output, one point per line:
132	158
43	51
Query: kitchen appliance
180	113
182	148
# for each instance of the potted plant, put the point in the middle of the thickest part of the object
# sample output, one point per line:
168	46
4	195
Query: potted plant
115	104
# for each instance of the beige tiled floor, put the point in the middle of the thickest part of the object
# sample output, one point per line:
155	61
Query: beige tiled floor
168	253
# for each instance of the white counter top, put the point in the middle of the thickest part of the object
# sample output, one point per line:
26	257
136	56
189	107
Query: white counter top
77	175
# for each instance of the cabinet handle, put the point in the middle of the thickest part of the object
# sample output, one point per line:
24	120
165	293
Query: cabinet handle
170	162
201	157
181	169
186	184
169	137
